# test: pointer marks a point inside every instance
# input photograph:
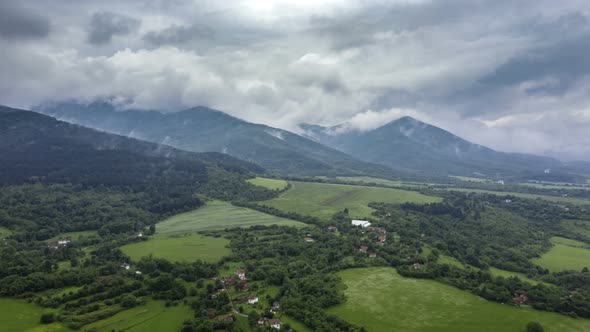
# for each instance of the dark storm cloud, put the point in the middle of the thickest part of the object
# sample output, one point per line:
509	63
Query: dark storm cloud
105	25
17	22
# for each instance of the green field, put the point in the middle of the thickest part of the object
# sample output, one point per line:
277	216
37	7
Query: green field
295	324
4	232
469	179
547	185
272	184
370	180
557	199
381	300
507	274
581	227
152	317
565	255
185	248
219	215
19	316
323	200
73	235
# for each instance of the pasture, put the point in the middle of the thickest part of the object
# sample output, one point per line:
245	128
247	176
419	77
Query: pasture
381	300
218	215
184	248
508	274
20	316
322	200
566	254
154	316
272	184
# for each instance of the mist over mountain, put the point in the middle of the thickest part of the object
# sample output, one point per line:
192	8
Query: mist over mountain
202	129
407	143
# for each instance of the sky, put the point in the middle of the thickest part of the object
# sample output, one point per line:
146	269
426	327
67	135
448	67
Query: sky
509	74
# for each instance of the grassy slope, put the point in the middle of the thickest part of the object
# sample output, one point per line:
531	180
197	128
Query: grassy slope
271	184
381	300
323	200
179	248
19	316
565	255
507	274
218	215
153	316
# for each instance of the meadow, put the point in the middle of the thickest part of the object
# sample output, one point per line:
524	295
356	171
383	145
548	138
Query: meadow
272	184
184	248
566	254
218	215
154	316
323	200
508	274
19	316
381	300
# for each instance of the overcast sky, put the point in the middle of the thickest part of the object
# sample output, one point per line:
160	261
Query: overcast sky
509	74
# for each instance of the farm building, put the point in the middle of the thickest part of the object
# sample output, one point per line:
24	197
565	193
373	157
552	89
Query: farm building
252	299
362	223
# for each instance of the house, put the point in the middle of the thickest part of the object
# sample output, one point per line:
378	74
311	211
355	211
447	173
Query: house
275	324
229	281
417	266
372	255
520	297
508	200
64	241
381	239
245	287
138	273
275	307
379	230
125	266
362	223
308	239
363	249
261	322
241	274
252	299
332	228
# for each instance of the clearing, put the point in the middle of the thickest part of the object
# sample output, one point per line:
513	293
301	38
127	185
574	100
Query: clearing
322	200
219	215
272	184
566	254
381	300
186	248
20	316
153	316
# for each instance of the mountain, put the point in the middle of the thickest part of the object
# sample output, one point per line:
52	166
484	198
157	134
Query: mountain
35	147
202	129
409	144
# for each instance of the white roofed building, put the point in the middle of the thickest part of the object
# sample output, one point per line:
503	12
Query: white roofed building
362	223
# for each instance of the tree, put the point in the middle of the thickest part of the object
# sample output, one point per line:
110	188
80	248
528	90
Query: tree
152	230
47	318
534	327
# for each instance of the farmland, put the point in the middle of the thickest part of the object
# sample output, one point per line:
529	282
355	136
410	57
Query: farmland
323	200
154	316
382	300
19	316
566	254
271	184
218	215
185	248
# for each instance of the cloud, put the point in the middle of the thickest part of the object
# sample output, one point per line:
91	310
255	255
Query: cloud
105	25
17	21
457	64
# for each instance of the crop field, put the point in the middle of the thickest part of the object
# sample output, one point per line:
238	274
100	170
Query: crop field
557	199
19	316
272	184
382	300
152	317
566	254
323	200
186	248
218	215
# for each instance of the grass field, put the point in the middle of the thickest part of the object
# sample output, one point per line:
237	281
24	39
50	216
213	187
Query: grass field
507	274
219	215
370	180
565	255
381	300
581	227
152	317
73	235
185	248
295	324
323	200
547	185
4	232
469	179
19	316
272	184
557	199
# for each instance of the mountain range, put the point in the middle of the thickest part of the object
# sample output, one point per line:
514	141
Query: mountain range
404	148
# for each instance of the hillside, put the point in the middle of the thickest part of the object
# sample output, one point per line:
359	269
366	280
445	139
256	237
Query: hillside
407	143
202	129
